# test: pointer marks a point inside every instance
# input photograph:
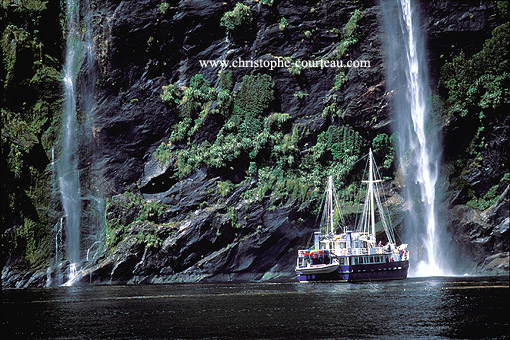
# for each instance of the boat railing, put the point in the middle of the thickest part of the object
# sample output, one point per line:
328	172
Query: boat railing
301	252
361	251
377	251
349	251
352	251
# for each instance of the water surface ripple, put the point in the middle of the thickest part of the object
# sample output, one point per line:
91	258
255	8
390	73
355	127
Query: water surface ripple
415	308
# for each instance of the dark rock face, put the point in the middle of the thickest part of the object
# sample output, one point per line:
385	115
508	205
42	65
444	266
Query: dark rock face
484	236
455	26
207	245
141	49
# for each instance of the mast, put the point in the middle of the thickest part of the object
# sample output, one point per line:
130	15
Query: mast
330	203
373	199
371	191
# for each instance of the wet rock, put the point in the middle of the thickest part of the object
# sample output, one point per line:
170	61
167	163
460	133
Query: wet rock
156	177
166	48
186	193
481	233
496	264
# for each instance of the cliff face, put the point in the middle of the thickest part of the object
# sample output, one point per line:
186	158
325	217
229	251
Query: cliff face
199	202
145	49
213	234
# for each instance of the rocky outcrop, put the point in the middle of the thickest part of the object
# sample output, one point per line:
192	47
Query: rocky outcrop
484	235
142	48
207	243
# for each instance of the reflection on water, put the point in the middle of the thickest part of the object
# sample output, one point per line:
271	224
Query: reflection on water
426	308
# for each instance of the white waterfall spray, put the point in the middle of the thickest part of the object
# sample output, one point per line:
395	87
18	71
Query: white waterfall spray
419	148
79	82
68	175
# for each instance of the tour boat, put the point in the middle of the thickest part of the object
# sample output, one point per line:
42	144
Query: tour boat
352	255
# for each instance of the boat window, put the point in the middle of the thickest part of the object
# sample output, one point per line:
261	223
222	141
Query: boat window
342	244
342	260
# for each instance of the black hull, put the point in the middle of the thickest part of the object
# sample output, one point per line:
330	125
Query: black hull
362	272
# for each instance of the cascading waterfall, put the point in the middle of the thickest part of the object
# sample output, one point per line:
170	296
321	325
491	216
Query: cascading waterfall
418	146
79	82
68	175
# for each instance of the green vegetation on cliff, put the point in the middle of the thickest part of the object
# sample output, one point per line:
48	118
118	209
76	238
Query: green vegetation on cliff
476	91
239	147
480	82
30	80
284	160
125	211
262	144
240	15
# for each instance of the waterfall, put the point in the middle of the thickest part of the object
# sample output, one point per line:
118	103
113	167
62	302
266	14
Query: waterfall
78	105
419	149
68	175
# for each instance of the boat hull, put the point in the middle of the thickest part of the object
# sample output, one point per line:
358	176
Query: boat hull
318	269
361	272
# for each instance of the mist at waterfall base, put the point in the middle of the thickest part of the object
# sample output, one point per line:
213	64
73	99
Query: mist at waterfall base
418	145
415	308
82	209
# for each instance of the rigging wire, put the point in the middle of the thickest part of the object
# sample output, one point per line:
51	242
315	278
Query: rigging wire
359	193
386	212
361	223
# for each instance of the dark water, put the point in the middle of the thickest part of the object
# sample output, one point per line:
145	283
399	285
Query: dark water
415	308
